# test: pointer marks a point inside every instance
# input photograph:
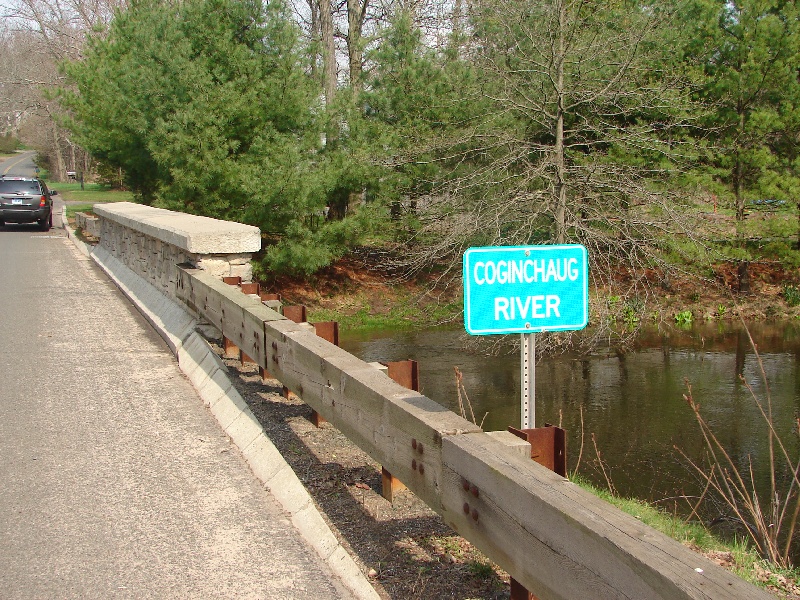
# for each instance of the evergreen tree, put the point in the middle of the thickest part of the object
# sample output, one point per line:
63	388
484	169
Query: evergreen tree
207	107
744	55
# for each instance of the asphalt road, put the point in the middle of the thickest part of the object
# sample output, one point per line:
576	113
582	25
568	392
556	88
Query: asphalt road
21	164
115	481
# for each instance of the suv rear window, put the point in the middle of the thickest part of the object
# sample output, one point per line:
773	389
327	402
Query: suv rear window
10	186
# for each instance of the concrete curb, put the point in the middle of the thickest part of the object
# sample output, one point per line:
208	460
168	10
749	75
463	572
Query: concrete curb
209	375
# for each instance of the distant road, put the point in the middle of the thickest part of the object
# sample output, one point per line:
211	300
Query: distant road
22	164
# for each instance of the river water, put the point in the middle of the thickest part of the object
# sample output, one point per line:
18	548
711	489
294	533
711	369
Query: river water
632	404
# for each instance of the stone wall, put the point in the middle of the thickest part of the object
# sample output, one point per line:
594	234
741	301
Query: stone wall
152	241
88	224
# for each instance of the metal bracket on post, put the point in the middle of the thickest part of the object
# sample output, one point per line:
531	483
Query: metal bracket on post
406	373
549	449
528	380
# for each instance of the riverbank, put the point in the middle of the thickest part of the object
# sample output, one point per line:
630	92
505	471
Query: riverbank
359	294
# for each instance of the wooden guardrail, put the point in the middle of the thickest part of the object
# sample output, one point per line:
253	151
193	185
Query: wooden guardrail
551	536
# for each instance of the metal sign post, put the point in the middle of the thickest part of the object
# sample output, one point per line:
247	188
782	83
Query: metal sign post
526	290
528	379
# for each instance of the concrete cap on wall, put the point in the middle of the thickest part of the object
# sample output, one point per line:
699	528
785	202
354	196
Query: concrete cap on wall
194	234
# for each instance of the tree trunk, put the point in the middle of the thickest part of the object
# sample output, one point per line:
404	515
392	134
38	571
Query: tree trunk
558	150
315	37
744	277
60	170
738	176
329	78
355	49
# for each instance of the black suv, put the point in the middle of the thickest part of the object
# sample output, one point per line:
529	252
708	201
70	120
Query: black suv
25	200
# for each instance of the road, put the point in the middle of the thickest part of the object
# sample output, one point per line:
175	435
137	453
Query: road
116	480
22	165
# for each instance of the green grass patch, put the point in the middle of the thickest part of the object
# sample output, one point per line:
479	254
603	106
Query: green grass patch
747	563
402	312
92	193
76	208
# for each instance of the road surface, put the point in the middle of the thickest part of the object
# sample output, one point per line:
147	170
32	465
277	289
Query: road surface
116	480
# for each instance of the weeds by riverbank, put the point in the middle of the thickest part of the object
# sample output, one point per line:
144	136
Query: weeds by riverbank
735	555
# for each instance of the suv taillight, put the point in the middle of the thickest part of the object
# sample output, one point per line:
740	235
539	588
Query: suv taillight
42	201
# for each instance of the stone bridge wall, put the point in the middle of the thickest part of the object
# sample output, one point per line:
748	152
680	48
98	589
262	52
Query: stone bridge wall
153	241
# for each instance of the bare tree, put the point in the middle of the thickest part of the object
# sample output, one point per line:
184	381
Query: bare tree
38	35
577	134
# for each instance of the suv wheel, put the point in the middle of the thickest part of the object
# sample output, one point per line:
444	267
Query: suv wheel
46	224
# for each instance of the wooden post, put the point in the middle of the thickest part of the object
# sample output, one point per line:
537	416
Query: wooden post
549	449
328	331
406	373
231	350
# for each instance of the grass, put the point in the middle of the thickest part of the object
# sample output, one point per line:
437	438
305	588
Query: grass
92	193
747	563
404	312
76	208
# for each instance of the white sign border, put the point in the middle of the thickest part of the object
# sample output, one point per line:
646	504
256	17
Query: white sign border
506	331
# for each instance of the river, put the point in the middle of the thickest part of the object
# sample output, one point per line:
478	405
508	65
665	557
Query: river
628	409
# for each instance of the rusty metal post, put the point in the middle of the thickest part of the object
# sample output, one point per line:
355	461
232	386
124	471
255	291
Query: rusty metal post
390	485
231	350
328	331
295	313
549	449
518	591
406	373
548	446
250	288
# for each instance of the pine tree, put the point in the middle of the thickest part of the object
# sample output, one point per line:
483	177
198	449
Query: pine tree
744	55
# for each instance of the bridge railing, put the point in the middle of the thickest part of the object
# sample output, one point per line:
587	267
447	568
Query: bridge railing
556	539
551	536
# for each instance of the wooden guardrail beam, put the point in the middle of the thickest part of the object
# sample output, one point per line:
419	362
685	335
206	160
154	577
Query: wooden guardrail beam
554	538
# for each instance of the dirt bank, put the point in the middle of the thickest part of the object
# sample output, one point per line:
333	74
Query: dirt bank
354	289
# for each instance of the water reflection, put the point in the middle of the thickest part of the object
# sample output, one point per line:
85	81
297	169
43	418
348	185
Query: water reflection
632	403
